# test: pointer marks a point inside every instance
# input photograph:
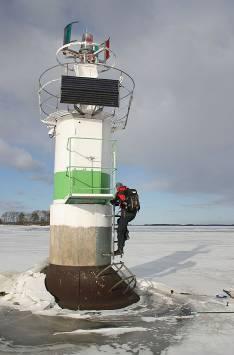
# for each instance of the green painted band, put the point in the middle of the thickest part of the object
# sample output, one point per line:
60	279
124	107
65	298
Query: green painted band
80	182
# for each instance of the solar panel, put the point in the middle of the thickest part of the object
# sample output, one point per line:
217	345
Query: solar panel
89	91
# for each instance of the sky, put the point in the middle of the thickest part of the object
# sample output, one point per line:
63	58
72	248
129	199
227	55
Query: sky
178	147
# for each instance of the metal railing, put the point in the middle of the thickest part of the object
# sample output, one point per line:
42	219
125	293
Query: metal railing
104	177
126	276
49	94
78	185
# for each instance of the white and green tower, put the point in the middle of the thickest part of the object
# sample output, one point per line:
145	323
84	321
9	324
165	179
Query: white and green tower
83	100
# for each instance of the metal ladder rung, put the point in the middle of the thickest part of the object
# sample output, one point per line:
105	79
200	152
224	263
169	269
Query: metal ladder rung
129	283
123	272
118	267
129	279
110	266
132	277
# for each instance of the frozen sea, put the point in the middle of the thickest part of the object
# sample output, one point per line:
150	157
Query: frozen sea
197	263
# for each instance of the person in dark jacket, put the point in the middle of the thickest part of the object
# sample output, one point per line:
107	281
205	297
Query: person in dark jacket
126	216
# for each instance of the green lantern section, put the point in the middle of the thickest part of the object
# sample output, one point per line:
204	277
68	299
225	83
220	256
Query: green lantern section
80	182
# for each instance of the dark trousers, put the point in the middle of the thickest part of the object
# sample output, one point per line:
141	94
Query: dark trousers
122	229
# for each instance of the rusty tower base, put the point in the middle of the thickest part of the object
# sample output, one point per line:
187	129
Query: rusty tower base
91	288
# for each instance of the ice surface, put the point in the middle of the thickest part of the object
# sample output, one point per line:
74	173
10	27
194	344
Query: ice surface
195	262
21	247
107	331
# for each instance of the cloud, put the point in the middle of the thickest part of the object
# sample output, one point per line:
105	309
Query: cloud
17	158
45	178
156	184
181	125
181	56
12	205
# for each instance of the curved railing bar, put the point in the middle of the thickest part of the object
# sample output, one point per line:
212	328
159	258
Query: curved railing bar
98	64
64	47
45	104
48	92
119	122
45	71
43	86
130	103
50	123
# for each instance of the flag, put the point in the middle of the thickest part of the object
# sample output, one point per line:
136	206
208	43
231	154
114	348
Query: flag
96	47
107	45
67	33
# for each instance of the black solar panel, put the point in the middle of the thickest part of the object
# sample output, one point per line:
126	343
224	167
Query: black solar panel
89	91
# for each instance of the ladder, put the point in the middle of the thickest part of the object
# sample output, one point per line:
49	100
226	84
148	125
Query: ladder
113	232
114	239
126	276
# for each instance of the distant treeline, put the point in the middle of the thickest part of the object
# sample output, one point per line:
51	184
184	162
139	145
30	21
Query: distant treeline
39	217
185	225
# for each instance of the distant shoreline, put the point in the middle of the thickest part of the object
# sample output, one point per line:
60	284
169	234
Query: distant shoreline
25	224
181	225
134	225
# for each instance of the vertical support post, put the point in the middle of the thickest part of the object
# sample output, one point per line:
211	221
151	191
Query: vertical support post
113	230
70	173
114	167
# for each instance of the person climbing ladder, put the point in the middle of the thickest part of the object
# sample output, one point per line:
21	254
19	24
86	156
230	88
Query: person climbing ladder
128	201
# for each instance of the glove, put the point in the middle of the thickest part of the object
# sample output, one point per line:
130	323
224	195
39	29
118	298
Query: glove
114	202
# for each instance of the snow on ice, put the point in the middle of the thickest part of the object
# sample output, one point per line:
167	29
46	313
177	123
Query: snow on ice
195	262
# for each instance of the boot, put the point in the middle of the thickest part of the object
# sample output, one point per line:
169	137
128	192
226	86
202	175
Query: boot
118	252
127	235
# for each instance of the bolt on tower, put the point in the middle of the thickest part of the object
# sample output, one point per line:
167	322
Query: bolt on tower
83	99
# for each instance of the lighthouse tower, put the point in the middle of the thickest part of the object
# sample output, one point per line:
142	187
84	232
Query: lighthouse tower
83	100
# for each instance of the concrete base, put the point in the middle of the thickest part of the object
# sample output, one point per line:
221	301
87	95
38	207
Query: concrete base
77	287
80	246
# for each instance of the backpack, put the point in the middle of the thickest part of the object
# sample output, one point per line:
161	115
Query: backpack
132	200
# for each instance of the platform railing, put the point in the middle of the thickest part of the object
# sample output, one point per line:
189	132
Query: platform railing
50	94
104	176
76	184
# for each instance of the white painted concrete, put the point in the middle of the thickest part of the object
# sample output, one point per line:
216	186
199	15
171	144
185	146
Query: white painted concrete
83	143
85	146
85	215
